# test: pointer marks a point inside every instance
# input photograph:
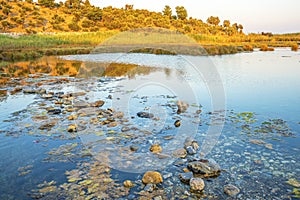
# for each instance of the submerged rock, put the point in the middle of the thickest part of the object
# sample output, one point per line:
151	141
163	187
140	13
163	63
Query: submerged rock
190	150
145	115
231	190
207	168
98	103
180	153
134	147
72	128
197	184
181	107
119	115
191	142
149	187
152	177
48	126
125	129
156	148
81	104
185	177
47	96
177	123
54	111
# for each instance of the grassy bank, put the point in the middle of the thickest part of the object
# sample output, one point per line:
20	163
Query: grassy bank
26	47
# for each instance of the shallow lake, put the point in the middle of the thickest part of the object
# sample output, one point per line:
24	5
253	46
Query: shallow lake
77	127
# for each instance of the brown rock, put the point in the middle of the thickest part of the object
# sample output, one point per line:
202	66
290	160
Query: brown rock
98	103
128	183
156	148
152	177
197	184
72	117
72	128
177	123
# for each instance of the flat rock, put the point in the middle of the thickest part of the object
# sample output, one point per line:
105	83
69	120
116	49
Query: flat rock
180	153
98	103
81	104
231	190
48	126
207	168
54	111
145	115
88	111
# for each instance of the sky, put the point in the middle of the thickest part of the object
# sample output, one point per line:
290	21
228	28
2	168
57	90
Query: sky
276	16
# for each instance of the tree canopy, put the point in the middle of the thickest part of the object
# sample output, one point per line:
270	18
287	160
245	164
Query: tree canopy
80	15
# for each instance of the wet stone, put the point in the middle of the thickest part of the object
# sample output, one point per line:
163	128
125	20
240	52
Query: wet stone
195	145
156	148
181	107
197	184
72	128
54	111
208	168
157	198
134	147
188	142
81	104
47	96
145	115
118	115
190	150
177	123
168	175
149	187
98	103
128	183
47	126
152	177
125	129
180	153
231	190
186	177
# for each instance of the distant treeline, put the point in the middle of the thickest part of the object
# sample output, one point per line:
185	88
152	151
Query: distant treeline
81	16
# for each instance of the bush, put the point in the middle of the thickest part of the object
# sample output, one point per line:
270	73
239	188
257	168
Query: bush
294	47
87	23
74	26
248	47
265	47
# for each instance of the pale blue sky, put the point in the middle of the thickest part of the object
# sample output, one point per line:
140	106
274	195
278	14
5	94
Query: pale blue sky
277	16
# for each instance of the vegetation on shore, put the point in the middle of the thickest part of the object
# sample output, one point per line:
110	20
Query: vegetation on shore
48	28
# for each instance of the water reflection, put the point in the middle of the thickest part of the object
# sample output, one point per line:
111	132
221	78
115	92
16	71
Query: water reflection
55	66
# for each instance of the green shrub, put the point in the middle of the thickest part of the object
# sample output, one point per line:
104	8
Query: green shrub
87	23
74	26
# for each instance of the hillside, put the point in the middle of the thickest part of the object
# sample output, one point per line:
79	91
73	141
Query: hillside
79	16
